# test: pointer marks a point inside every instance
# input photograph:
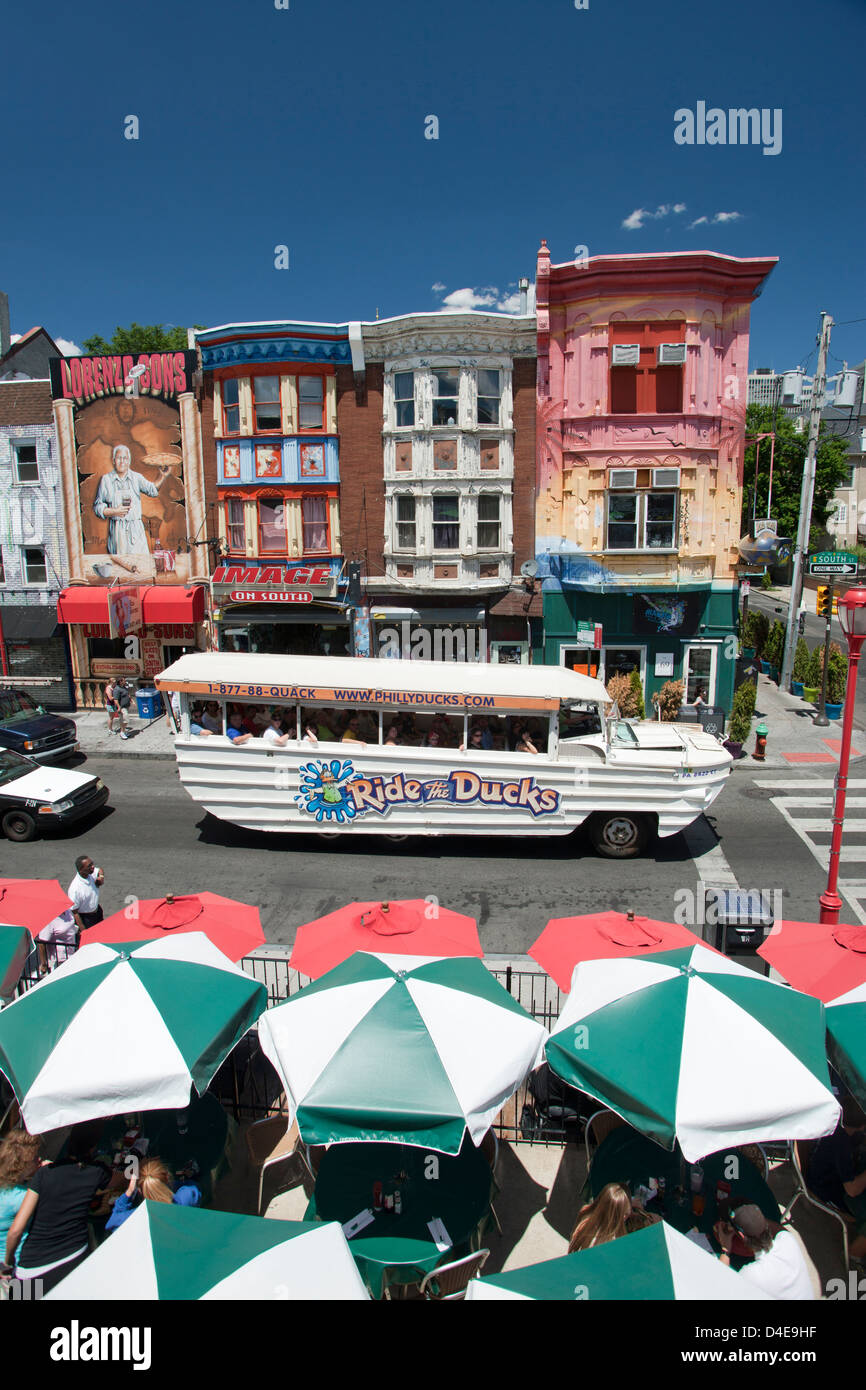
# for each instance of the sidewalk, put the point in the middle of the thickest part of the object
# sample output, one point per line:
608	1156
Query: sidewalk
148	740
793	740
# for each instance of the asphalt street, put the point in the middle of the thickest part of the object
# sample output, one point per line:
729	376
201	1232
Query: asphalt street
152	839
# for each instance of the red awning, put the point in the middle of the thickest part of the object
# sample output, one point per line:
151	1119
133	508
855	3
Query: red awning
172	603
83	605
160	603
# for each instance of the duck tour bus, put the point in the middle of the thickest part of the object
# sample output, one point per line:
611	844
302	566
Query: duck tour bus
366	746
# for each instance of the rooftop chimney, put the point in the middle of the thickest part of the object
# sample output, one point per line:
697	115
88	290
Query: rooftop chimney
524	295
4	324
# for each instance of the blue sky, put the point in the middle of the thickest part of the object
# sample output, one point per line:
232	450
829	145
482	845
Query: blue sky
305	127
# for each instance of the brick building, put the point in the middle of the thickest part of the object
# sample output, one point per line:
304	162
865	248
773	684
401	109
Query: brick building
272	478
436	416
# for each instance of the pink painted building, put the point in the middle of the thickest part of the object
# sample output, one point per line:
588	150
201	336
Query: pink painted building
642	374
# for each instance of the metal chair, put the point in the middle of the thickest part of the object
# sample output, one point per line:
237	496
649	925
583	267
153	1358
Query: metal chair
447	1283
598	1127
269	1142
801	1154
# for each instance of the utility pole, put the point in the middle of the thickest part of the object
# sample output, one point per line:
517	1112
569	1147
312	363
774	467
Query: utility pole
819	387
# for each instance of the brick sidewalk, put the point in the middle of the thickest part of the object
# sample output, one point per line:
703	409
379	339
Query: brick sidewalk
793	740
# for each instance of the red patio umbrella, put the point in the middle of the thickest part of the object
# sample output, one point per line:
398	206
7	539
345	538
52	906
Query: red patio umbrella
816	959
412	927
235	928
604	936
31	902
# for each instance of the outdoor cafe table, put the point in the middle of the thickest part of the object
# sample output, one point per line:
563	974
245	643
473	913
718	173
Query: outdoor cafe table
455	1188
204	1140
627	1157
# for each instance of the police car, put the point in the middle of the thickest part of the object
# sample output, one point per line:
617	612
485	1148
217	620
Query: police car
34	798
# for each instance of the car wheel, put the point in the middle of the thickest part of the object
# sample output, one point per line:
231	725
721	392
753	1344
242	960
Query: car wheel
621	835
18	825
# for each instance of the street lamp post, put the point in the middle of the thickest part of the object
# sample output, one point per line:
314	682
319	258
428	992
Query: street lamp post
852	620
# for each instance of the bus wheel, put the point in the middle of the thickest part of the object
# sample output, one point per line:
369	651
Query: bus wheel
620	835
17	825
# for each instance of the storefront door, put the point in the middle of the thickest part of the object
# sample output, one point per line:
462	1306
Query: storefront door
584	660
699	671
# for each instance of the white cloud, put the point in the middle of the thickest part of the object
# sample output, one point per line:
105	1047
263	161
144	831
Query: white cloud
438	287
505	301
716	218
68	348
636	219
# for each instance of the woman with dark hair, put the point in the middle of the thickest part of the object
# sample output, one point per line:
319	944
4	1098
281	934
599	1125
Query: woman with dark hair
54	1214
19	1159
603	1219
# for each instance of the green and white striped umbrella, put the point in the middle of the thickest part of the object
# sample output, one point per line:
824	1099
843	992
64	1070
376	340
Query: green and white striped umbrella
656	1264
846	1039
127	1027
16	943
401	1049
168	1252
689	1045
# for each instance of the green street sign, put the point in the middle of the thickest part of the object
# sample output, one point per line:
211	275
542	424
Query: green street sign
831	562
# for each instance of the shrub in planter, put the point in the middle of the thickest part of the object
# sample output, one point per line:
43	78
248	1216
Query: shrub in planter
636	690
758	626
740	722
801	661
668	699
619	689
775	645
816	668
837	678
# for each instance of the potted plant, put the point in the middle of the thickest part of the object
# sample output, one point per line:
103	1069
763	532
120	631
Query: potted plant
740	722
837	679
668	699
801	667
774	649
812	683
749	635
636	692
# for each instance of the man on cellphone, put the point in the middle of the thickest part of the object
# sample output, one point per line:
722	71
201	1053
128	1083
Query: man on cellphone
84	892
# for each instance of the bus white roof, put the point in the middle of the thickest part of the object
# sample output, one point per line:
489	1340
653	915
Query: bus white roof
358	680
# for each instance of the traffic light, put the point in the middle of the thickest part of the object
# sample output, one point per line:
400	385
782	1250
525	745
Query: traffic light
827	603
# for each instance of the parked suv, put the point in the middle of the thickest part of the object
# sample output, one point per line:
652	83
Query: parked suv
26	727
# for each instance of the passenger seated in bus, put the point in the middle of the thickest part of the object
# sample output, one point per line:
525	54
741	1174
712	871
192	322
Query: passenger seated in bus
515	732
525	744
311	734
433	739
500	743
352	731
197	725
257	720
323	725
480	722
237	733
392	737
274	732
475	744
212	719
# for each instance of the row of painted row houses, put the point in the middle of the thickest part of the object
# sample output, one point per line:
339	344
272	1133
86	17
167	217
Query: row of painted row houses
560	487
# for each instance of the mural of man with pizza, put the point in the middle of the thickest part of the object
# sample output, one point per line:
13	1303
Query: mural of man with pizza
119	499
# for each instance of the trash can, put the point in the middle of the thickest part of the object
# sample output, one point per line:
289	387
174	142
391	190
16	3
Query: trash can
149	703
712	719
736	921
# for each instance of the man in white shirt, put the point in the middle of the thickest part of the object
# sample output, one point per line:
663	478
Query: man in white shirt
781	1267
274	732
84	892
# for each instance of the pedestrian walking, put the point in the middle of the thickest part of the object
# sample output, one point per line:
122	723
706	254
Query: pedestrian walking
84	892
123	697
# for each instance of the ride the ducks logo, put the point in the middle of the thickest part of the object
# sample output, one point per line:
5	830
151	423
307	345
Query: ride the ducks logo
333	791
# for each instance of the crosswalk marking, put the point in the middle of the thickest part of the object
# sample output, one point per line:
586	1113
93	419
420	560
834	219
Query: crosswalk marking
798	800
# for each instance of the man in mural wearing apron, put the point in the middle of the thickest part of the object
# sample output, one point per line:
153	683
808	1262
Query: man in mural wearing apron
118	498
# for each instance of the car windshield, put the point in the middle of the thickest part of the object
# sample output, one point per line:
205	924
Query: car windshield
16	706
12	765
